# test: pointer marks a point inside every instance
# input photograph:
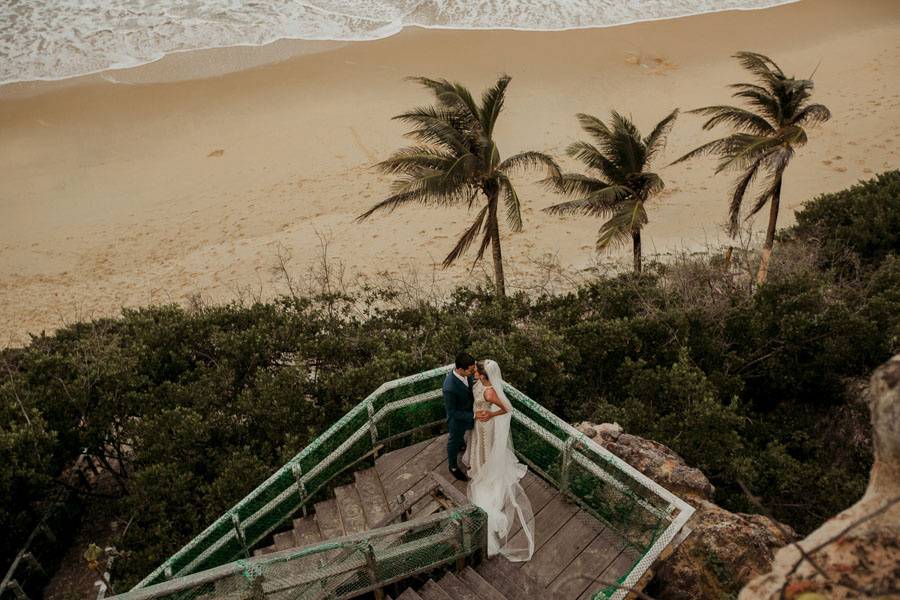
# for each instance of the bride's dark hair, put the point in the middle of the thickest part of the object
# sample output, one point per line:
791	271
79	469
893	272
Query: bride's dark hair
479	364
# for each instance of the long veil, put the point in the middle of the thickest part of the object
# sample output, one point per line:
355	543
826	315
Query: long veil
495	488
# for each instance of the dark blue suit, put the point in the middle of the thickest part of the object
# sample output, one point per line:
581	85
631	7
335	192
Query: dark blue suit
458	401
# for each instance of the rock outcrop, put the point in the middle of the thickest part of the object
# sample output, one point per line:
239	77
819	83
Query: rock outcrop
856	554
724	550
654	460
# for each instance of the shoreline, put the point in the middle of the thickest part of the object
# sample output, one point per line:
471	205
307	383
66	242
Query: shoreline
283	48
118	195
179	65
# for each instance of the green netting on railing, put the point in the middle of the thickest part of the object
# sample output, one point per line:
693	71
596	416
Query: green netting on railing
592	476
646	515
290	488
341	568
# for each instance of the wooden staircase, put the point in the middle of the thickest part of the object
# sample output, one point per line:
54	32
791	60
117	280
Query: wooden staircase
375	492
355	508
573	551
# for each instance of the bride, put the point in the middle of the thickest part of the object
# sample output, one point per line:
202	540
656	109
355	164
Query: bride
494	470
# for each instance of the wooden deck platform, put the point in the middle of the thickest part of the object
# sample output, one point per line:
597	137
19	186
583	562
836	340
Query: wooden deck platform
572	549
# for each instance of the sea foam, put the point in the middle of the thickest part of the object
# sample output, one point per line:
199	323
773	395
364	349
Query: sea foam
57	39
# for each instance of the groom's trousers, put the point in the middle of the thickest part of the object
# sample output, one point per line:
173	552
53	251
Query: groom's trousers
455	440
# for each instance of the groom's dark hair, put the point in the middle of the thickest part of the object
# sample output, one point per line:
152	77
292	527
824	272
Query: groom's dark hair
464	360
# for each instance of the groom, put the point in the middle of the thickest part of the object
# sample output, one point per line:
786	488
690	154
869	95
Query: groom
458	402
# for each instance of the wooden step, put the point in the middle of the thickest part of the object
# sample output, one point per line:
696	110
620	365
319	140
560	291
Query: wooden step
409	594
285	540
307	531
616	569
490	571
328	518
390	462
547	522
410	473
352	515
540	493
513	571
432	591
456	588
554	556
427	505
576	578
476	582
371	494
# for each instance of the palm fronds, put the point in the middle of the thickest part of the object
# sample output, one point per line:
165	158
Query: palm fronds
618	230
656	141
455	160
766	134
620	157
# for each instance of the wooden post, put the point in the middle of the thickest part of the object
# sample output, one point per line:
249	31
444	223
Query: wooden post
29	558
16	589
401	503
566	462
464	543
373	429
236	521
48	532
301	487
372	568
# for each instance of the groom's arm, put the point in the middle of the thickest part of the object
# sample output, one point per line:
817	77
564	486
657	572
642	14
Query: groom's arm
452	405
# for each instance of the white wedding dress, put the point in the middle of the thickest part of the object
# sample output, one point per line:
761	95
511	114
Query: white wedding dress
495	475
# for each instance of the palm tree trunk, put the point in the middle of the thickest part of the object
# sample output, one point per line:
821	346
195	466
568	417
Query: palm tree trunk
499	279
636	238
770	235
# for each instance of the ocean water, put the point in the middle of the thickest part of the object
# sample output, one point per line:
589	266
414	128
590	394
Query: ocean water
56	39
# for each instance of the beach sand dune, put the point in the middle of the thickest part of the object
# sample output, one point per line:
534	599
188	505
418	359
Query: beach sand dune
118	195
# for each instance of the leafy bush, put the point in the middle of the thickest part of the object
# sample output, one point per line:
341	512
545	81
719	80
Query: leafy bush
861	223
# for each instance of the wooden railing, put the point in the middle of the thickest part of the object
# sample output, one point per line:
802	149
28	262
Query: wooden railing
347	566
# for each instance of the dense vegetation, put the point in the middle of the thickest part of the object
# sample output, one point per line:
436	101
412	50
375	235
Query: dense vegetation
189	409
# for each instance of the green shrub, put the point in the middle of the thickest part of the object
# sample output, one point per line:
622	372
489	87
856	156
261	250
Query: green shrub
860	223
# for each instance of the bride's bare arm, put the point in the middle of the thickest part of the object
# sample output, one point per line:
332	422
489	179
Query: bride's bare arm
491	396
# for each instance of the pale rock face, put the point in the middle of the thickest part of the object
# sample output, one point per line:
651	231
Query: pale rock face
723	551
864	562
654	460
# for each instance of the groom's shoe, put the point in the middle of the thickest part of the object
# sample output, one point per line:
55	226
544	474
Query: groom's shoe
459	474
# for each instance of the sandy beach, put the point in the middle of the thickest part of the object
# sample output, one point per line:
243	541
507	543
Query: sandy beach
161	186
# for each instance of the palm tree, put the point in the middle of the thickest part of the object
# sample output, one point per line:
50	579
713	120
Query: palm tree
620	194
767	134
456	162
